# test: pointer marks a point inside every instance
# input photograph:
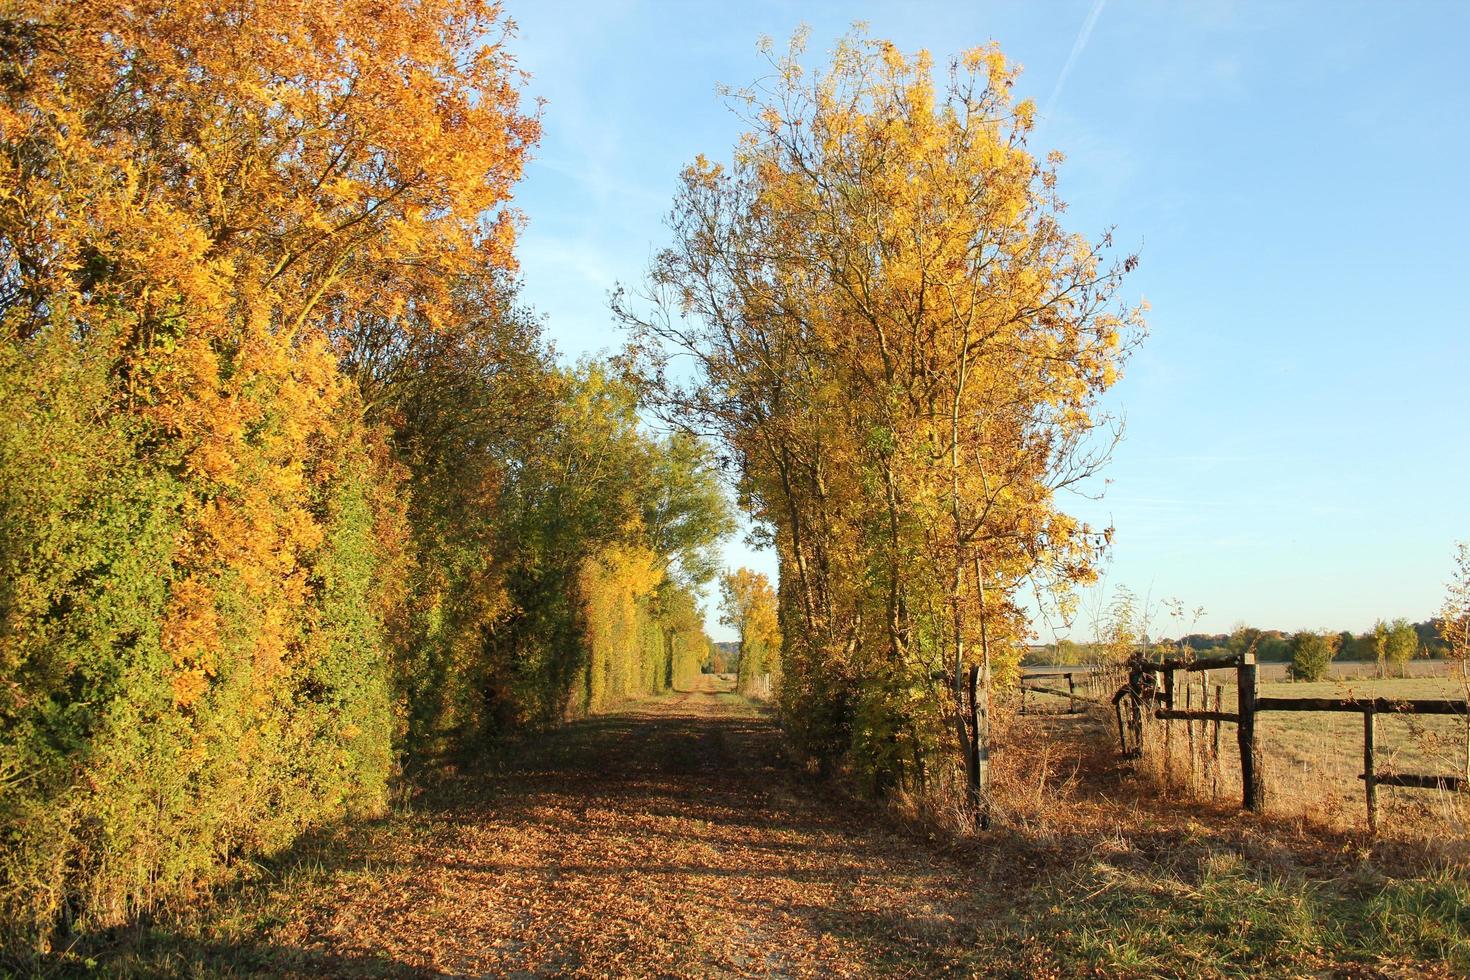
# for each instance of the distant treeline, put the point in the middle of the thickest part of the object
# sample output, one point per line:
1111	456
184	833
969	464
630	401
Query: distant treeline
1275	645
724	657
1270	645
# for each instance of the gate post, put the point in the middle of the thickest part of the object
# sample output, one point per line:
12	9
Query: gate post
1250	770
1370	768
980	744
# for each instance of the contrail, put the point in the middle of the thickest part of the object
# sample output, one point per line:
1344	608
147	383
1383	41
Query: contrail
1083	36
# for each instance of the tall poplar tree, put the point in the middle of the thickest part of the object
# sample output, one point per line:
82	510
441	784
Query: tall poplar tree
903	350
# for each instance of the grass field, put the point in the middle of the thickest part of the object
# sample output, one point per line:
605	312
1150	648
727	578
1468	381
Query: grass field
1313	760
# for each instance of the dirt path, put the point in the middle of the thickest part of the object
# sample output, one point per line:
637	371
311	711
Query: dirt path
672	840
663	840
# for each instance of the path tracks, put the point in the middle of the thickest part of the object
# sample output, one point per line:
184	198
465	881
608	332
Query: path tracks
666	839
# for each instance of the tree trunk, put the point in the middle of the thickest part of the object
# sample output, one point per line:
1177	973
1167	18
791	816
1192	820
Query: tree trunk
980	692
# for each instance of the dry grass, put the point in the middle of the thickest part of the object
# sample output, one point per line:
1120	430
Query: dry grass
1150	876
1311	760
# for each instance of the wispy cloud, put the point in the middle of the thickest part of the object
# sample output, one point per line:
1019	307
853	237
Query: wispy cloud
1083	36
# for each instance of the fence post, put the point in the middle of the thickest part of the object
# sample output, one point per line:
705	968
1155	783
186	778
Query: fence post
980	743
1250	770
1189	728
1071	695
1168	727
1370	768
1204	726
1215	748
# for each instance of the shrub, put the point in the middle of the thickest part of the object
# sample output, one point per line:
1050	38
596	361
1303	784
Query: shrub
1311	655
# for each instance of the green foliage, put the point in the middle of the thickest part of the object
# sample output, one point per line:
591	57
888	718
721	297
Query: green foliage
1311	655
1270	646
520	550
84	528
546	527
119	788
292	496
1221	914
685	511
589	486
1401	644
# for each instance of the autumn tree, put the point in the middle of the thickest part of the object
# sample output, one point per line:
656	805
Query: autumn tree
1401	645
1379	640
1454	613
748	604
206	209
902	349
1120	626
1454	626
1311	655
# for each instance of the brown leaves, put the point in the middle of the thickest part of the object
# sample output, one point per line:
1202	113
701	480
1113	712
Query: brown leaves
658	841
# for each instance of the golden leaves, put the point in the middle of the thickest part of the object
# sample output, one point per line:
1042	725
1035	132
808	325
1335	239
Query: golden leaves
191	638
238	185
905	349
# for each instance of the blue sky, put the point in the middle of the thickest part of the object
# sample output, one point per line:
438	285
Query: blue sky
1297	451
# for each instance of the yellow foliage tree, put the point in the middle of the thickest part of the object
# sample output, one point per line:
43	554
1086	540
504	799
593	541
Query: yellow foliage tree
203	206
904	350
623	648
1454	614
748	603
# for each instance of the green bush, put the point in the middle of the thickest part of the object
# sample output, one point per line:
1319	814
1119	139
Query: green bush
129	774
1311	655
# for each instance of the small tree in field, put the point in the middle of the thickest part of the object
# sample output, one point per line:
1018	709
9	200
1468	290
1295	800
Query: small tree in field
1454	625
1311	655
1454	615
1401	645
1380	645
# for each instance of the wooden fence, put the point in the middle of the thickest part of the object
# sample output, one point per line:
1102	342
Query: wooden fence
1167	707
1371	708
1243	717
1073	699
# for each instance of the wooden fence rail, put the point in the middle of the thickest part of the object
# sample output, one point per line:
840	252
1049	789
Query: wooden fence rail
1371	708
1250	704
1192	715
1070	693
1453	784
1409	706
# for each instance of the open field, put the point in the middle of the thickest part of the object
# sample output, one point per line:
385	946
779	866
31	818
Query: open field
1313	759
1360	670
1278	671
